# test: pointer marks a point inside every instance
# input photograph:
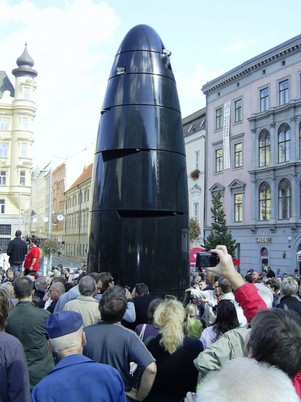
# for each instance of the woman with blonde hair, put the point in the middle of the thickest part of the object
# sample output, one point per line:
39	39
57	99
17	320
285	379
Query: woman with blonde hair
192	325
174	353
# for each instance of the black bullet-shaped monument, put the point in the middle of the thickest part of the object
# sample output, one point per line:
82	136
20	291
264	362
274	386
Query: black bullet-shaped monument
139	215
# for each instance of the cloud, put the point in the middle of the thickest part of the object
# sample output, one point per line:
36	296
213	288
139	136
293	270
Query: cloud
236	47
190	88
70	46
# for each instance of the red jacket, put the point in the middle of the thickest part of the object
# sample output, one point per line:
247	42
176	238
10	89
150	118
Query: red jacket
247	296
34	252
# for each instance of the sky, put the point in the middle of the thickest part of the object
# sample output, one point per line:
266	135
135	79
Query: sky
73	44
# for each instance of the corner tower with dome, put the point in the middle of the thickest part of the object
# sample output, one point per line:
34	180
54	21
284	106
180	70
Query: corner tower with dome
17	113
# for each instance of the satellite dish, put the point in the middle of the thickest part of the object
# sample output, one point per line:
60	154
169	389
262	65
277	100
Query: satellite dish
60	217
35	220
45	219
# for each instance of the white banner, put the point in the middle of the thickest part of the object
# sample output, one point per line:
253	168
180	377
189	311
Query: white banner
226	136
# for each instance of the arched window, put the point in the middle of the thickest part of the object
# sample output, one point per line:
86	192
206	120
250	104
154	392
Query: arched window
284	143
265	202
264	148
284	199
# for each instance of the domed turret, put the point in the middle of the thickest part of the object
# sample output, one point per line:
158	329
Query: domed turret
25	63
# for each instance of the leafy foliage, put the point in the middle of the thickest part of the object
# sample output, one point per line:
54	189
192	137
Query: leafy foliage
220	233
50	246
194	229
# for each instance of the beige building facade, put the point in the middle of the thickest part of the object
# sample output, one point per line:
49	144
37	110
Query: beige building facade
17	113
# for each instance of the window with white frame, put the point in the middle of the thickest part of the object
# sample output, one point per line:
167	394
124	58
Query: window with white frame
238	155
3	149
238	110
238	207
284	143
4	123
24	122
22	178
285	199
264	99
196	159
26	92
284	92
23	150
2	178
2	206
265	202
264	148
219	118
196	211
218	160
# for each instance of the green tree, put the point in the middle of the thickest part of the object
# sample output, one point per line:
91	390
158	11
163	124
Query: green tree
220	233
194	230
50	246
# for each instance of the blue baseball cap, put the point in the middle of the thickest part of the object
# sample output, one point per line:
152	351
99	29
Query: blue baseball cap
63	323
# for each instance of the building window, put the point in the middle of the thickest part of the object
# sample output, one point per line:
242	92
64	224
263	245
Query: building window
238	110
218	160
22	177
300	140
2	206
285	199
196	209
3	178
4	123
23	150
238	155
265	202
219	118
197	159
238	207
264	148
24	122
284	143
3	150
26	92
284	92
5	230
264	99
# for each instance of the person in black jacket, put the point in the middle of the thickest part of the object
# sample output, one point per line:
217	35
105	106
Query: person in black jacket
17	250
288	293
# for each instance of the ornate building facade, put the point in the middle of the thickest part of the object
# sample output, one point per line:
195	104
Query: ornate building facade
17	113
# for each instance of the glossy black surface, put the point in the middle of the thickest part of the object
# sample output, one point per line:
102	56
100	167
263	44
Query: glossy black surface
139	216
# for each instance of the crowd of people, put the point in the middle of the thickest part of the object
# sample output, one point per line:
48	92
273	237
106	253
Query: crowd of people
77	336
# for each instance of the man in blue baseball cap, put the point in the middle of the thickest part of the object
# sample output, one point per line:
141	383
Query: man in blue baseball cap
76	377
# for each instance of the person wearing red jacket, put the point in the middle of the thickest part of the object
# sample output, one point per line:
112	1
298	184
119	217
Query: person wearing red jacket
32	259
275	335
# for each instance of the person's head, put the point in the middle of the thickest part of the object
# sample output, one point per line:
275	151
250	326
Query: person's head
140	289
275	338
169	317
96	276
244	379
224	285
56	290
23	287
5	307
41	284
226	317
34	241
87	286
18	233
107	281
210	279
112	305
10	273
191	310
151	309
65	332
289	286
273	284
255	276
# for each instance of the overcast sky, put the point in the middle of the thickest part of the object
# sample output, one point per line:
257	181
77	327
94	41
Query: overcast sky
73	44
